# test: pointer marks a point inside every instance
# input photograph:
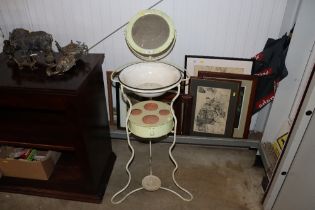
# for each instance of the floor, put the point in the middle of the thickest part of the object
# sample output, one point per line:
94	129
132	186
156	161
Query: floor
218	178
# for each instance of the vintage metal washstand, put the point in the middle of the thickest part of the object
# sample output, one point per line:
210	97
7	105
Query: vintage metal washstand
150	35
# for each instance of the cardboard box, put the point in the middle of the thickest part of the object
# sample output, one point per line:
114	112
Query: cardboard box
21	168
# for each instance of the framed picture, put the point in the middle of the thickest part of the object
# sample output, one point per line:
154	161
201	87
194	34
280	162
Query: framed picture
195	63
110	97
213	108
245	102
121	108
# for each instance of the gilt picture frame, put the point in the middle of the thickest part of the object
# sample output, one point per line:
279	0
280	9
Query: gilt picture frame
213	108
196	63
245	103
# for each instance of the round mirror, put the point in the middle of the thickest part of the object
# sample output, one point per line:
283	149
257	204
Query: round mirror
150	35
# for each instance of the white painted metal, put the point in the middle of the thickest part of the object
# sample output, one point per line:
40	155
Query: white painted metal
297	59
294	141
298	189
305	77
161	128
154	182
154	78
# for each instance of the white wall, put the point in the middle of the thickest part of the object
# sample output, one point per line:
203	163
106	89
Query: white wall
204	27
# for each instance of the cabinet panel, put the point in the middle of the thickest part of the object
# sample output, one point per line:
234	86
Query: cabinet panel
65	114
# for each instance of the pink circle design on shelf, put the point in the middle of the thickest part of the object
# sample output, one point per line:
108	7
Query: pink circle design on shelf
136	111
151	106
164	112
150	119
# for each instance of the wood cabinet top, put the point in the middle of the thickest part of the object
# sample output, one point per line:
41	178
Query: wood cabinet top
12	78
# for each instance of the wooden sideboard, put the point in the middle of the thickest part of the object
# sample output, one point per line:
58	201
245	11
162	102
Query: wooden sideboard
64	113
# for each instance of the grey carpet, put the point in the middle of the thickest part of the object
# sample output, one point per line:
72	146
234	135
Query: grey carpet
219	179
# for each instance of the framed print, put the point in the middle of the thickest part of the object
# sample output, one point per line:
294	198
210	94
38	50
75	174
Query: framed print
110	97
186	113
121	108
245	102
195	63
213	107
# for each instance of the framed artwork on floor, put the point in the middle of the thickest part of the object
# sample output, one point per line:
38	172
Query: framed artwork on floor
110	97
121	108
195	63
213	107
245	102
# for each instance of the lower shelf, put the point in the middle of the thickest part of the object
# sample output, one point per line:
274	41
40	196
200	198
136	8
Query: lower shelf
68	181
252	142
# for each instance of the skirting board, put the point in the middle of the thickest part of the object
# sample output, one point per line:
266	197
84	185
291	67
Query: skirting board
200	140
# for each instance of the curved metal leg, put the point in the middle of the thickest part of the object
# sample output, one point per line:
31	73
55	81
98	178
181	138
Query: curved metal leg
151	178
129	161
190	196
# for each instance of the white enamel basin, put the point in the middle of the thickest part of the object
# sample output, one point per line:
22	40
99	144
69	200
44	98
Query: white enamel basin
150	79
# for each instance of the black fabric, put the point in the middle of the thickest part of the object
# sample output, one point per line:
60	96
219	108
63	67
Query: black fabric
269	67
